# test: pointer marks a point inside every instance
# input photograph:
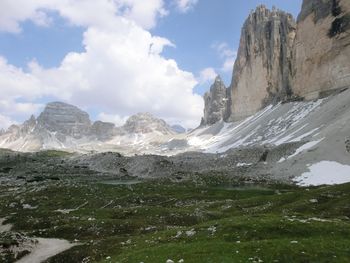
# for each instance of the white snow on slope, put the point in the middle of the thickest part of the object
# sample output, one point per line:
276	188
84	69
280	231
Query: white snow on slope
305	147
325	172
273	125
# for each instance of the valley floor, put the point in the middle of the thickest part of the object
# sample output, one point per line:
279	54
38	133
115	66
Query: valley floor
201	220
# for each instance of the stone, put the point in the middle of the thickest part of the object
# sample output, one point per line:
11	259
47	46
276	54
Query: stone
322	48
215	103
146	123
262	72
29	125
102	130
65	119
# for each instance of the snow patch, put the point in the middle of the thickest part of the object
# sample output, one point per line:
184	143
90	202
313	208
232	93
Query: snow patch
243	164
325	172
301	149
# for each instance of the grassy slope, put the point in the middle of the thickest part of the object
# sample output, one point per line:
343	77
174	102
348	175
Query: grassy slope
148	222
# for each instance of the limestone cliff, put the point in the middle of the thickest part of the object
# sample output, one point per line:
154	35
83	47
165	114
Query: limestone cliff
64	119
263	71
322	48
215	103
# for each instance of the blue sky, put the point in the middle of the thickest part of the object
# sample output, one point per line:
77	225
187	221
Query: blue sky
34	45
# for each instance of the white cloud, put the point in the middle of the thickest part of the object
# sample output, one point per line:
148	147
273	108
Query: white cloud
122	70
113	118
228	64
207	75
5	122
227	54
185	5
101	13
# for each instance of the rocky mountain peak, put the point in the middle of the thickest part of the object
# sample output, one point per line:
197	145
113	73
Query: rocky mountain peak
65	119
215	102
146	123
218	80
262	72
29	125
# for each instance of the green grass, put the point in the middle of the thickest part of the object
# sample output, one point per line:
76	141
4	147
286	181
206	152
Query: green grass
147	222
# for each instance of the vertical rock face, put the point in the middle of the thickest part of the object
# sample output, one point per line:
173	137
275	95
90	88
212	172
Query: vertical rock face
322	48
262	72
215	103
65	119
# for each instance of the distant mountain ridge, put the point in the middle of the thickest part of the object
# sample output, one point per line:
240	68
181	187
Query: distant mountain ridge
64	126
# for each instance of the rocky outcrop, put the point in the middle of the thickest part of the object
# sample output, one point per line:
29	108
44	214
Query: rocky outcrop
215	103
65	119
29	125
322	48
146	123
263	71
102	130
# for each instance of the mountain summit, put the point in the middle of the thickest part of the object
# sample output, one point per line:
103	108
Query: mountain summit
64	126
281	60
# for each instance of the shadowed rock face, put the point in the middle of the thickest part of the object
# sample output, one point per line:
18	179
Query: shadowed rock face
65	119
322	48
102	130
263	70
319	9
215	103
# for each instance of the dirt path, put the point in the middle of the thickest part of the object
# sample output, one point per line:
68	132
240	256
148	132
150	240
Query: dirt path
45	249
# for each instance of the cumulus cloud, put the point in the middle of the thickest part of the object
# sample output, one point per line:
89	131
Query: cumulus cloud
227	54
79	12
121	71
185	5
207	75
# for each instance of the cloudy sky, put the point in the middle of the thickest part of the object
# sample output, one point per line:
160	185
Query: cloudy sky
114	58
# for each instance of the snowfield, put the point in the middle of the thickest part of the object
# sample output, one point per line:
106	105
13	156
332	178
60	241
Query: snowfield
325	172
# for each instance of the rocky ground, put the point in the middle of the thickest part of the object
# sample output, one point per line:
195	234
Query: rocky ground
193	207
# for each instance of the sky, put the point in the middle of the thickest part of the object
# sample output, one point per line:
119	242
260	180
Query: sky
115	58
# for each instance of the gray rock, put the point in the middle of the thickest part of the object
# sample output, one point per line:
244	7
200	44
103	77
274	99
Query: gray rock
146	123
320	9
29	125
102	130
215	103
262	71
322	49
65	119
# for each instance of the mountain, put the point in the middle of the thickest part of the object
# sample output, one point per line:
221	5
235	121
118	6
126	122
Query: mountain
146	123
322	48
285	113
215	102
280	60
262	71
64	126
65	119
